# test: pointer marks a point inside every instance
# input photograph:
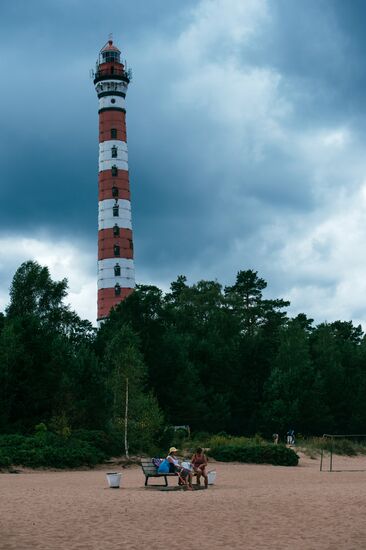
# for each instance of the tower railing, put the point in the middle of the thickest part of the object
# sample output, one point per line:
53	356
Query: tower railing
121	74
116	71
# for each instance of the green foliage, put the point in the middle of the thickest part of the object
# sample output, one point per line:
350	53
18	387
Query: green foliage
223	440
216	359
255	453
5	461
339	446
246	299
126	366
33	294
59	425
146	423
294	388
41	345
40	429
48	451
106	442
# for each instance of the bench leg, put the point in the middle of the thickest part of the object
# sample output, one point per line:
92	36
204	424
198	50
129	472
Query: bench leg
166	481
146	480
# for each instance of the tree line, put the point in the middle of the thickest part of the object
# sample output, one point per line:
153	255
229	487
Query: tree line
220	359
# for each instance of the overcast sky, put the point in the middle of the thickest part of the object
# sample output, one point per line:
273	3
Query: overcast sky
246	134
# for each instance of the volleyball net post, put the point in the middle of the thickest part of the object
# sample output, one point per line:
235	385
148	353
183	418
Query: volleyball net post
329	450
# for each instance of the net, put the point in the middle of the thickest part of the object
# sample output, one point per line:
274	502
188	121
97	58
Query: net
343	453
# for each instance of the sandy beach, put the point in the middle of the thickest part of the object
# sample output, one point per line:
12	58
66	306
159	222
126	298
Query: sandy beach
251	507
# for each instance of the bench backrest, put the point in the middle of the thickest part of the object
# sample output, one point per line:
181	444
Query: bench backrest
148	467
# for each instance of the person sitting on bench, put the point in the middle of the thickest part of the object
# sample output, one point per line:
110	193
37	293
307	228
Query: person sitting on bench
185	475
199	463
171	465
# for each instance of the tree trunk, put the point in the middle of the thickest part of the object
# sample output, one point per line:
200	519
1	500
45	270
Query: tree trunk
126	420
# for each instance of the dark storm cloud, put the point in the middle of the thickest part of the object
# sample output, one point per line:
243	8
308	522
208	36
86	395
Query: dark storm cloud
49	108
322	45
50	130
225	132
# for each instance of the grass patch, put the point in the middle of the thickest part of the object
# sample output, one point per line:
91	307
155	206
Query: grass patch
314	445
207	441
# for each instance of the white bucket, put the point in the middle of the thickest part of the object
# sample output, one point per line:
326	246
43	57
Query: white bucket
211	477
114	480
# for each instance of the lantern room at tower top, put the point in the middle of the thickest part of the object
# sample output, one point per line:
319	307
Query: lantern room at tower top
109	63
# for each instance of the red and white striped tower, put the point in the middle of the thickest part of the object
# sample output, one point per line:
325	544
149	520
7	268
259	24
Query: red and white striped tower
116	274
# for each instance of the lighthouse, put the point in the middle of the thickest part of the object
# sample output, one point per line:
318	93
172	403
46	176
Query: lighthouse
116	274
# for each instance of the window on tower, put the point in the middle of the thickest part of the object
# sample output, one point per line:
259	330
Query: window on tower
116	250
131	244
115	210
114	171
114	152
117	290
117	270
113	133
115	230
110	57
115	191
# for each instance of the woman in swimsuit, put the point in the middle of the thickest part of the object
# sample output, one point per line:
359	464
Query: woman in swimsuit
199	463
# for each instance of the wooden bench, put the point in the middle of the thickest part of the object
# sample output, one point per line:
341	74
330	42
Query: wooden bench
150	470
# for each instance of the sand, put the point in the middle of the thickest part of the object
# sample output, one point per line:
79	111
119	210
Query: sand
251	507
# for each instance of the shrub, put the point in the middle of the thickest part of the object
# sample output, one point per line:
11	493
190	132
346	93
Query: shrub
5	461
207	441
49	450
263	453
40	429
226	440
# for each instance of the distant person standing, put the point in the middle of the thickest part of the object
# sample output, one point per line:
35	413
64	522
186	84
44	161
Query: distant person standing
275	438
291	437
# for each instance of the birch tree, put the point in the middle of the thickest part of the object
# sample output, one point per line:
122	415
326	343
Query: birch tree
134	411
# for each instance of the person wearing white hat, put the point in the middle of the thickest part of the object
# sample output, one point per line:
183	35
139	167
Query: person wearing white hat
171	465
